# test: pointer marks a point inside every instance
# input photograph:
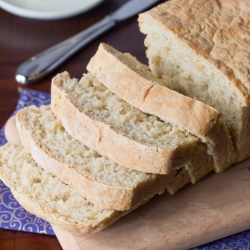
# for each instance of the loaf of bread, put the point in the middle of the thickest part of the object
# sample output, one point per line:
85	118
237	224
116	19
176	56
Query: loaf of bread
46	196
99	180
143	90
203	47
91	113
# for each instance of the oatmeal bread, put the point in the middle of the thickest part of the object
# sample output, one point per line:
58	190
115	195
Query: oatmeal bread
91	113
99	180
203	47
132	81
44	195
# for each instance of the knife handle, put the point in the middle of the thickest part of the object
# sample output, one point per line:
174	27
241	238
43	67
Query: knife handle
40	65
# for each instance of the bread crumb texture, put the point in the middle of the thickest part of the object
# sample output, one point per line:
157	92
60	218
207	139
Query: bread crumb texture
49	132
93	98
55	199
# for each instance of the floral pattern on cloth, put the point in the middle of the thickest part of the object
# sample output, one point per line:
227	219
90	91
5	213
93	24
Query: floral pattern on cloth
13	216
239	241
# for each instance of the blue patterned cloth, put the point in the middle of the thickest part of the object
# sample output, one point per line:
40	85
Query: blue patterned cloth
13	216
240	241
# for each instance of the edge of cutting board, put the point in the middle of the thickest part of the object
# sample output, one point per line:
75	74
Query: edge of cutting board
215	207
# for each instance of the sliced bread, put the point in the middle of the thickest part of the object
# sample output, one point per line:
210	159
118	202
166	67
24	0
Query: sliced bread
132	81
63	87
203	47
101	181
91	113
44	195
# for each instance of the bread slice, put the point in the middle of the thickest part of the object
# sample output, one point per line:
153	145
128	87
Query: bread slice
94	115
64	95
47	197
132	81
101	181
203	47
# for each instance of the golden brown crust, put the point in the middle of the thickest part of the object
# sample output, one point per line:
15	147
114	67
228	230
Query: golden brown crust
150	97
109	142
217	30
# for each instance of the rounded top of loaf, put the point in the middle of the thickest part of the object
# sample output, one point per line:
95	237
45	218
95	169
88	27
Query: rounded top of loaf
218	31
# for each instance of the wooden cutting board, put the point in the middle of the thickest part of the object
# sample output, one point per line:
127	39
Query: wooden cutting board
215	207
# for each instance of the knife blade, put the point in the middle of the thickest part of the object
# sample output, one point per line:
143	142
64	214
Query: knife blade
40	65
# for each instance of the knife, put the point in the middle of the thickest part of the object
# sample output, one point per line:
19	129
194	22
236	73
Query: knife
40	65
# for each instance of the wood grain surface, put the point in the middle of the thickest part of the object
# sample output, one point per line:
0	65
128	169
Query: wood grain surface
22	38
215	207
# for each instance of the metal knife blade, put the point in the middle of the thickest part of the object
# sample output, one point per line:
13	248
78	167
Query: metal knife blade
40	65
131	8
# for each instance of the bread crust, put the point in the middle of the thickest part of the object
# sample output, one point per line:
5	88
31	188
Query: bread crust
109	142
218	31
